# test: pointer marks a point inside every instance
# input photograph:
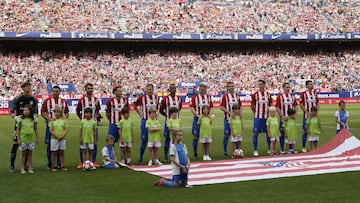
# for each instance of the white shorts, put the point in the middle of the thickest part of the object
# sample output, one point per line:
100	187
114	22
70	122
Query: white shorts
56	145
27	146
126	144
314	138
237	138
87	146
205	140
156	144
274	138
290	141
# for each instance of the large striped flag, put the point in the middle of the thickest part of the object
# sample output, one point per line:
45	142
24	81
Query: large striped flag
340	154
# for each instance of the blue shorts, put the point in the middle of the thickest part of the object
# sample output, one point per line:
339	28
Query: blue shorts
114	131
166	131
110	165
260	125
195	129
144	132
47	134
180	178
304	124
227	130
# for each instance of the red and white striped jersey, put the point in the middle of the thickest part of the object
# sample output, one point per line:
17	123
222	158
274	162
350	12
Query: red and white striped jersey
49	104
114	107
198	101
146	102
84	103
261	101
228	101
309	99
169	102
285	102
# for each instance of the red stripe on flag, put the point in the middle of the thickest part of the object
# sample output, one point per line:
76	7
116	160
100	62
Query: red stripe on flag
340	154
290	167
219	164
274	172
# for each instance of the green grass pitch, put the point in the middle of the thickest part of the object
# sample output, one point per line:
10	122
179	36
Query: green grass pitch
104	185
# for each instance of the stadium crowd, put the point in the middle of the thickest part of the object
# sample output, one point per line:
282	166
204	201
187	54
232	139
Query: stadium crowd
134	70
192	16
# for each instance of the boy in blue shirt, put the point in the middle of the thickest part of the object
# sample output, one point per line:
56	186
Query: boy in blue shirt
108	153
180	163
341	117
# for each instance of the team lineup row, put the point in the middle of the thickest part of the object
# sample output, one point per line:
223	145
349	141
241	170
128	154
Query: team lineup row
55	111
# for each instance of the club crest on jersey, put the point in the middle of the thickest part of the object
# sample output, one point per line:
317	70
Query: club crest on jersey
274	164
286	164
31	103
288	102
232	103
118	109
149	106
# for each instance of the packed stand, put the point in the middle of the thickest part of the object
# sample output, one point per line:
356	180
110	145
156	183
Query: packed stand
336	71
19	15
293	17
248	16
344	14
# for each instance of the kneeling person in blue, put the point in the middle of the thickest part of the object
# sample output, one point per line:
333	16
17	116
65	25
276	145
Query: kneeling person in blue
180	163
108	153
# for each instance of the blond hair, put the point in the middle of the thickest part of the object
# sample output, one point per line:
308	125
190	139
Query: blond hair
272	108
